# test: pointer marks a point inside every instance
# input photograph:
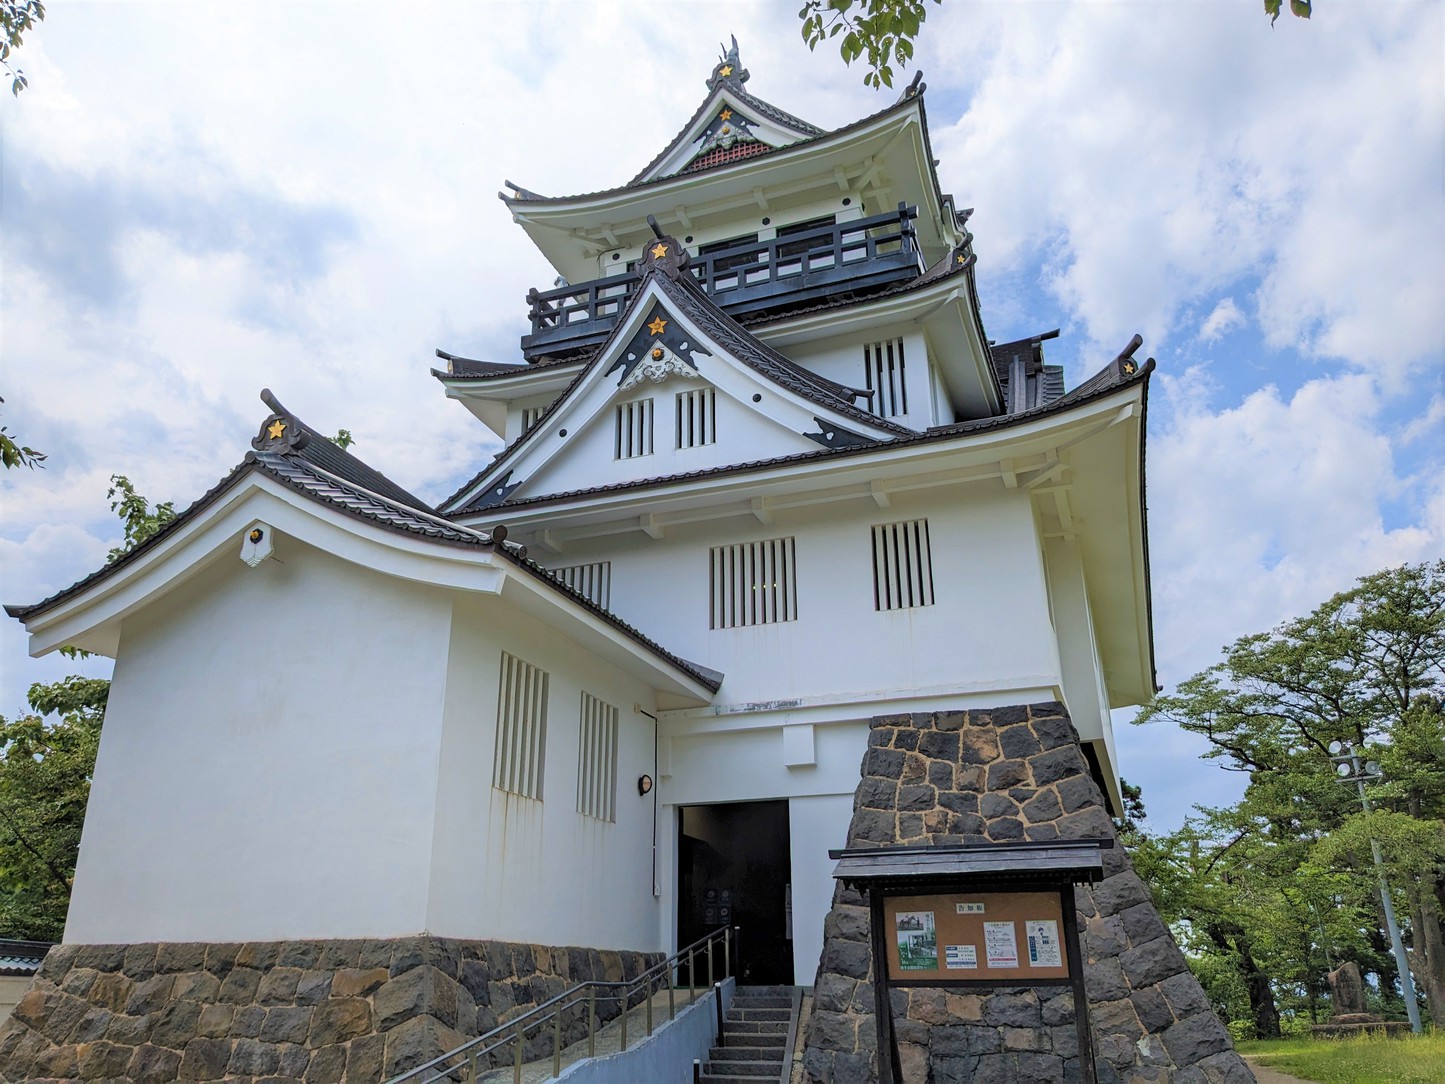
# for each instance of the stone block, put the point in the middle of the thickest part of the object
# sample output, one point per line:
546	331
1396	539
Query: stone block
100	957
260	955
940	745
339	1019
1005	829
150	995
1012	1010
239	986
917	798
1104	981
1058	1009
1116	1018
833	993
287	1024
375	952
1089	823
58	1061
1077	792
128	1030
195	986
950	720
1018	742
140	961
1041	832
313	987
1121	891
1006	716
358	982
366	1058
1043	807
173	957
215	1021
1142	923
965	1008
958	802
1053	733
997	805
876	794
78	982
906	740
940	776
59	961
966	824
1195	1038
252	1057
1058	764
874	826
95	1024
416	1041
1151	962
175	1025
247	1021
153	1065
62	1014
1007	773
110	991
299	954
1104	938
978	745
910	827
327	1066
1184	994
102	1060
883	763
221	957
850	959
833	1031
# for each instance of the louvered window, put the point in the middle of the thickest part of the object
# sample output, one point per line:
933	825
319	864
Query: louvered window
597	760
883	373
753	583
634	429
521	728
592	582
696	417
902	565
530	416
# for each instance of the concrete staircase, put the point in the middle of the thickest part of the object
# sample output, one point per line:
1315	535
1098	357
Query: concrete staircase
758	1036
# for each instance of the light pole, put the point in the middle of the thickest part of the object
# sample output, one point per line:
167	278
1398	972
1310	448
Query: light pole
1350	770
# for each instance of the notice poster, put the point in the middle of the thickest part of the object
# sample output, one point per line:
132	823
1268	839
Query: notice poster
917	941
960	957
1000	944
1042	936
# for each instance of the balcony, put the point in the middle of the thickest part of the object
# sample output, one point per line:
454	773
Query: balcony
743	279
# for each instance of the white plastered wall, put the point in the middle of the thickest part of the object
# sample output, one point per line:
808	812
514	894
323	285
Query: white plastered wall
518	869
267	767
841	359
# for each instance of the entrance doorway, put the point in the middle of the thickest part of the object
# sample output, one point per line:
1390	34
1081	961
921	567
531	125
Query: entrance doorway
734	870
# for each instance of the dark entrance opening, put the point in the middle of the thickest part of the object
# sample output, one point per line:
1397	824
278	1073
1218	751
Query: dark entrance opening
733	870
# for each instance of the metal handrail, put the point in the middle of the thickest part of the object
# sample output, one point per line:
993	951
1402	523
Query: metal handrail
464	1062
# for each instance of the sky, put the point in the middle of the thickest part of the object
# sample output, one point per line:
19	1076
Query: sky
204	199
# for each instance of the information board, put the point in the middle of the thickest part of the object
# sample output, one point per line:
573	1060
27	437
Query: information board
1000	937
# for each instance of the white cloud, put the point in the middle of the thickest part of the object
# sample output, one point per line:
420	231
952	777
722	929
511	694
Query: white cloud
1221	321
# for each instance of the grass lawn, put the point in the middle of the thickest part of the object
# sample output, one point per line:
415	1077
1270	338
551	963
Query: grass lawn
1369	1059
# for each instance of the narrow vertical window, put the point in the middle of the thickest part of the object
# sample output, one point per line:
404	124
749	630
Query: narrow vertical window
592	581
530	416
883	374
597	760
902	565
696	417
634	429
521	728
752	583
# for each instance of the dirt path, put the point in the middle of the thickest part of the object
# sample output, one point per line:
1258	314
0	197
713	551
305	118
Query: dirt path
1265	1075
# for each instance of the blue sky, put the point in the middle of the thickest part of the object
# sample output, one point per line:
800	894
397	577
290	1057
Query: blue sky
201	200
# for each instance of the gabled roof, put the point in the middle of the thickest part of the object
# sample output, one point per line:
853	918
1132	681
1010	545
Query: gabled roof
677	288
1023	378
1120	372
726	81
297	456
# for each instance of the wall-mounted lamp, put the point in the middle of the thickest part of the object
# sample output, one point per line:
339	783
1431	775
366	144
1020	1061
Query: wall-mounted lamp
644	785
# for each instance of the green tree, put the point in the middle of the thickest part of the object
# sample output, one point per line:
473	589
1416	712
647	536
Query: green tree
14	454
1366	667
883	32
47	758
16	17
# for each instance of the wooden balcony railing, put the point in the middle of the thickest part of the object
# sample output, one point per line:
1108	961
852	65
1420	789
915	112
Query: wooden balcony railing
742	279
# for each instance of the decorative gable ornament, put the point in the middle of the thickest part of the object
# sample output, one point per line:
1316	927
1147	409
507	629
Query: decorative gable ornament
657	365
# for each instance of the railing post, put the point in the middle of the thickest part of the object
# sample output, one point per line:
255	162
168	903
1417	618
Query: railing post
557	1042
717	994
737	972
624	1018
696	1071
591	1021
671	995
691	980
521	1049
711	941
649	1004
471	1064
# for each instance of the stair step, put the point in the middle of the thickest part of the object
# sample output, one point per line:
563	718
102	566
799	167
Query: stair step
713	1078
770	1039
752	1069
736	1013
763	1002
757	1027
746	1053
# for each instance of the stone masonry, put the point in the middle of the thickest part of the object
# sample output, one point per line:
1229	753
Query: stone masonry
284	1012
998	776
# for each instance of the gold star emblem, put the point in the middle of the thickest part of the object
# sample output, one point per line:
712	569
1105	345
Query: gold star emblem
726	114
657	326
275	429
961	258
659	251
1128	368
725	70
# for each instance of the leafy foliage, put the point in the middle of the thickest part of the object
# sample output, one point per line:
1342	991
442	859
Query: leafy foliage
47	756
1282	887
16	17
13	454
343	439
1298	8
881	31
139	519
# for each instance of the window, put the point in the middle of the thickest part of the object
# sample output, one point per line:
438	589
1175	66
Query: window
597	760
530	416
634	429
697	418
593	582
902	565
753	583
521	728
883	373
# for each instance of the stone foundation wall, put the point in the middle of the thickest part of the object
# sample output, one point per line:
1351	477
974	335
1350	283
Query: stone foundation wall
1009	774
284	1012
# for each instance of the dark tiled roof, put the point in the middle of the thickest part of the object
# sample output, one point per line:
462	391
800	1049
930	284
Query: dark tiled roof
690	298
323	472
1037	383
469	370
1109	379
637	182
21	959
